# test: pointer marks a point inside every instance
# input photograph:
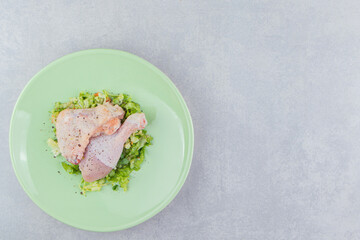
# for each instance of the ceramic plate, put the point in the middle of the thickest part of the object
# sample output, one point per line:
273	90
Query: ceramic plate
167	161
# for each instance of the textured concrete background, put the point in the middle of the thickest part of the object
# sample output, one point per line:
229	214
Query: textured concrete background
273	88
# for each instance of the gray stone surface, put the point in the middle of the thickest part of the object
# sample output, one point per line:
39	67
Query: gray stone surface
273	88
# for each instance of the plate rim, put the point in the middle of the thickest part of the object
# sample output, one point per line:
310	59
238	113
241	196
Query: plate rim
188	156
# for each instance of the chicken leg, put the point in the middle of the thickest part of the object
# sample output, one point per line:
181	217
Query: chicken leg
103	152
75	127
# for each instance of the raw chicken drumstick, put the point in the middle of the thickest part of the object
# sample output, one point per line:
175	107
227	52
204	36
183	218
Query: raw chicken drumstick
103	152
75	127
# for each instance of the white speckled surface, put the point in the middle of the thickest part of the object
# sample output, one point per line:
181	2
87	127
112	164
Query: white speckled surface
273	88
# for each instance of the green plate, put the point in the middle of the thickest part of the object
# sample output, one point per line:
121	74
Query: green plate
167	161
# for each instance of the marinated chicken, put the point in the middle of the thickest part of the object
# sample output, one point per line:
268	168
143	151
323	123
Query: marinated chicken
104	151
75	127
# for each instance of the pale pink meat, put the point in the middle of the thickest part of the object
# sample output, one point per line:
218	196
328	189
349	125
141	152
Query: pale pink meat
75	127
103	152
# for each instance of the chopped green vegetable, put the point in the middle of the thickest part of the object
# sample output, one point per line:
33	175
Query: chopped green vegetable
54	147
134	149
71	168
